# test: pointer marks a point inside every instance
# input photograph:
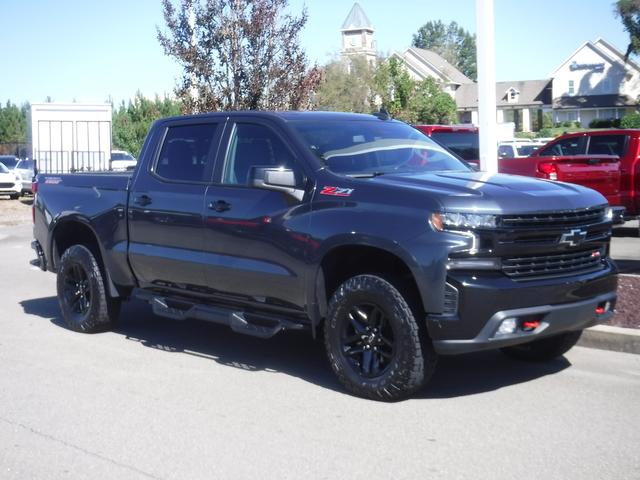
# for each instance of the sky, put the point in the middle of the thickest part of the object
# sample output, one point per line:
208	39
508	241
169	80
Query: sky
90	51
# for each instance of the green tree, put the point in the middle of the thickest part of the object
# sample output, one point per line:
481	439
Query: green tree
432	105
13	126
631	120
131	122
452	42
238	54
346	86
394	87
629	13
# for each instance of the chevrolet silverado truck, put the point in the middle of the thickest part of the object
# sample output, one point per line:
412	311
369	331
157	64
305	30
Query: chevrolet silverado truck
356	228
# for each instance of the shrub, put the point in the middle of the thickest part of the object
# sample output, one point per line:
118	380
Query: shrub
605	123
545	133
630	121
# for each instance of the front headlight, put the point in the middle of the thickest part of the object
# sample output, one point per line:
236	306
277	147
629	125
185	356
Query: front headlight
608	214
18	179
462	221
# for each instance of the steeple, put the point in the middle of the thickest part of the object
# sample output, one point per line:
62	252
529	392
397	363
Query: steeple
357	35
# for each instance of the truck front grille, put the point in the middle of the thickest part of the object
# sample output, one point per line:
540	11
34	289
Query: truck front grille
535	267
568	218
6	185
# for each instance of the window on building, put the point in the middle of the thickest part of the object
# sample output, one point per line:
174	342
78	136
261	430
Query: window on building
571	87
607	145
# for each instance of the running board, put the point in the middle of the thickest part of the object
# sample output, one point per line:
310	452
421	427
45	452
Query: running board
253	324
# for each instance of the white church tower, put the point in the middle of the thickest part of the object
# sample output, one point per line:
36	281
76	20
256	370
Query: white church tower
357	35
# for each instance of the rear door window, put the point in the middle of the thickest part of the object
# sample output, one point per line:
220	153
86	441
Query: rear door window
607	145
185	154
567	147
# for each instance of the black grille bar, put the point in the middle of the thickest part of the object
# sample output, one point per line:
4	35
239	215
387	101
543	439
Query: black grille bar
554	220
548	266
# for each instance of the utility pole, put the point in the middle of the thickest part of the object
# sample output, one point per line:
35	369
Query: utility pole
486	54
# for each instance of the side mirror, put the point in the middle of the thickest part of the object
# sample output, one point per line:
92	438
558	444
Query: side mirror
276	178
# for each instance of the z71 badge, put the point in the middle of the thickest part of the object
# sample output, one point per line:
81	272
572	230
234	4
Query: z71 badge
336	191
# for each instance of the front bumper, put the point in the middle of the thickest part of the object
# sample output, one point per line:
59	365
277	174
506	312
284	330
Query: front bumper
484	301
15	189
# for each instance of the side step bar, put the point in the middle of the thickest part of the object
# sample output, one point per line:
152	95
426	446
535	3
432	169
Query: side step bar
254	324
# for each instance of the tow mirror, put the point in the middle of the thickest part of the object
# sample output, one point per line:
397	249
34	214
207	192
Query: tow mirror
276	178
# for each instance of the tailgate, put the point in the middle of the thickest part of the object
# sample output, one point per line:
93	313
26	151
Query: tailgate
599	172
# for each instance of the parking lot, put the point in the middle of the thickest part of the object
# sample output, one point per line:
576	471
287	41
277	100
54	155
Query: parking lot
163	399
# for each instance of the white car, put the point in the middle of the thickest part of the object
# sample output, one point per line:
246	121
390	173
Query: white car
10	183
517	149
122	160
26	170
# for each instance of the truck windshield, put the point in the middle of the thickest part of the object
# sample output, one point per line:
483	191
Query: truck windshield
3	169
354	147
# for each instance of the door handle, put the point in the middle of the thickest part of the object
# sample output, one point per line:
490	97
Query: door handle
142	200
219	206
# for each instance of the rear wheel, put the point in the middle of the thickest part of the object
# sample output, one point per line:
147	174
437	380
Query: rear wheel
373	341
545	348
83	300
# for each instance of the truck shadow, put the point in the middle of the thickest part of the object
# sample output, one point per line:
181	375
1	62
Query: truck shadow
296	353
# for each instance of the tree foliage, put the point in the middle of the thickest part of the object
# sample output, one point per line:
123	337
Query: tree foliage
238	54
631	120
452	42
629	13
353	85
13	127
131	122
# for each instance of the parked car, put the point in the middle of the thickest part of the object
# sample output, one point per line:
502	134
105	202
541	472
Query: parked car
26	170
355	228
122	160
516	149
10	183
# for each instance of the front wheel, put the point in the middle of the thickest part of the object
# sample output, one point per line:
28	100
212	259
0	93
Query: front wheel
544	349
373	341
14	196
84	302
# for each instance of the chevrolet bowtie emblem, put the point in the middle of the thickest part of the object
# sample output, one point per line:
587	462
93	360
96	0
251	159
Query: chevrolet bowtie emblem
573	238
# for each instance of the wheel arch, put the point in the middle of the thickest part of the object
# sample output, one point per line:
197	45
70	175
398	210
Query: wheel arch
347	257
69	230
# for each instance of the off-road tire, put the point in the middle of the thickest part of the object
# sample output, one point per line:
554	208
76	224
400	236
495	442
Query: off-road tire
414	359
544	349
14	196
101	310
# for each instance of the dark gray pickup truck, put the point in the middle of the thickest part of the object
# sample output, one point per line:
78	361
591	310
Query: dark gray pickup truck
355	227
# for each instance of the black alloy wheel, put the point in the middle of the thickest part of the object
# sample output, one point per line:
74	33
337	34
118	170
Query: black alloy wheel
374	343
85	304
76	290
368	340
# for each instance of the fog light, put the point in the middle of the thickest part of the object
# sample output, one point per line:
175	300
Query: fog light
508	326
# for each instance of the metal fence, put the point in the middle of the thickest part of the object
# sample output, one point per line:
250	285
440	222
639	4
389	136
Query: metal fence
65	161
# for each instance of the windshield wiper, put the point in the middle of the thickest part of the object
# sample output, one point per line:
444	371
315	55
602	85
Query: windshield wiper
366	174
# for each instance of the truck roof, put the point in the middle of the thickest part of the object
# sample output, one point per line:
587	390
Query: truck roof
284	115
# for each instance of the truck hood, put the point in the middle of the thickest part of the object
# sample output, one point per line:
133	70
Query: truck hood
495	193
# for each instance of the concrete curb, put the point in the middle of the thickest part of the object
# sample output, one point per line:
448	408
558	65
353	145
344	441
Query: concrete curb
616	339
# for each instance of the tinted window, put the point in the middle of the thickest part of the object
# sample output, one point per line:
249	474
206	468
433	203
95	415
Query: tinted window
463	144
505	151
121	156
3	169
568	146
361	147
253	146
526	150
185	152
607	145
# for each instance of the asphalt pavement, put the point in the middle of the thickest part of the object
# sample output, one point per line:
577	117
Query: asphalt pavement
168	400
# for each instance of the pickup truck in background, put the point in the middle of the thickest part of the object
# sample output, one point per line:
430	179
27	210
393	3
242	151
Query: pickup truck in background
357	228
616	153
